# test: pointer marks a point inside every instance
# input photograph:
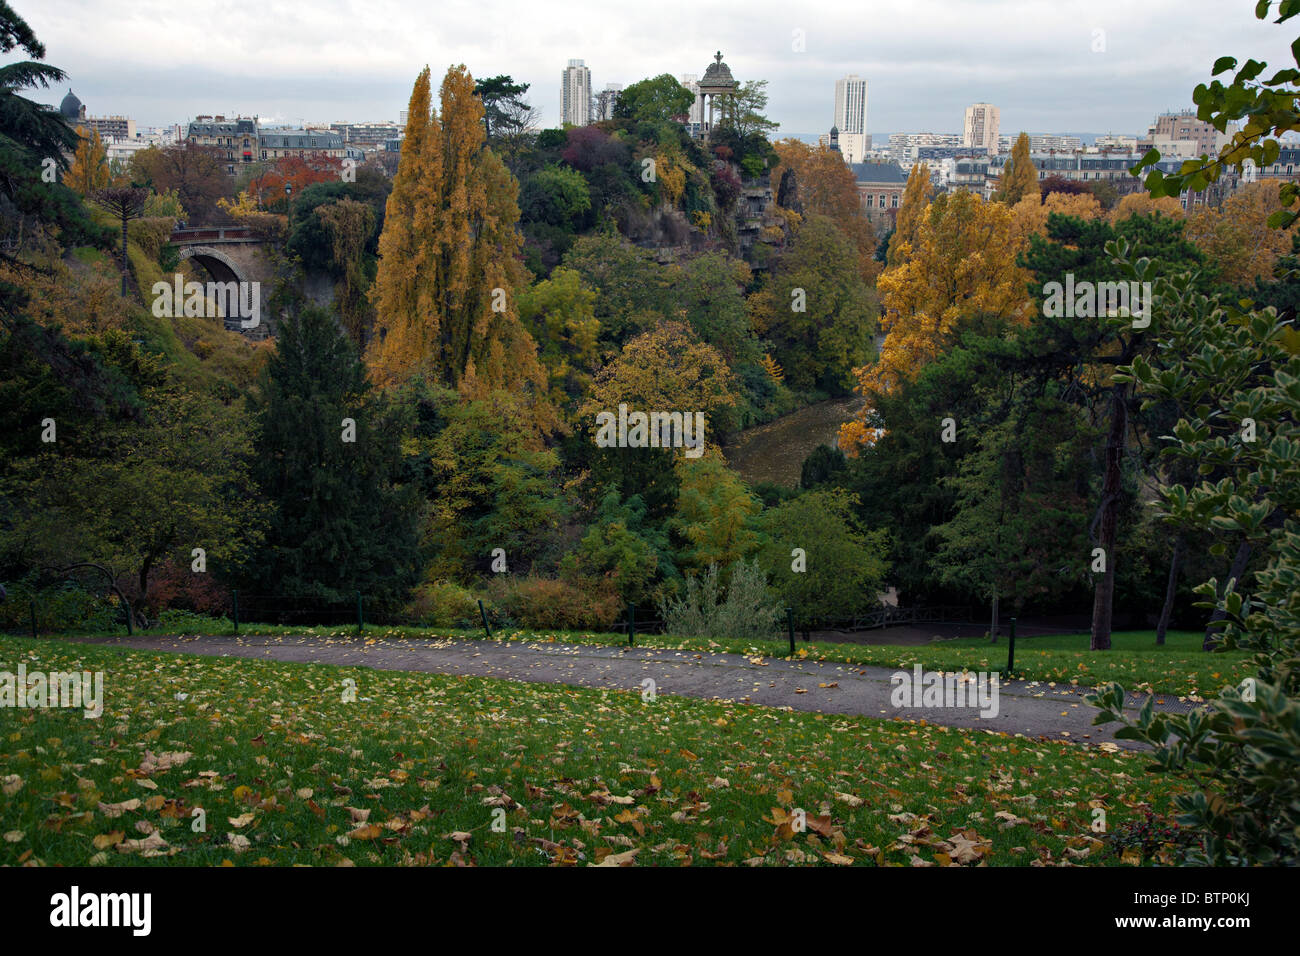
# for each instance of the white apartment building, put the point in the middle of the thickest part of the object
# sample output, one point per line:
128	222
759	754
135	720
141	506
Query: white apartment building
575	96
851	117
606	101
980	131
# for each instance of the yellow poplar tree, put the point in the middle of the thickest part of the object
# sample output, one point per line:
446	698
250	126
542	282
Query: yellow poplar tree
89	170
1020	175
449	268
916	198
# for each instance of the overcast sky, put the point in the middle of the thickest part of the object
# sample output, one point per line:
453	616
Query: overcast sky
164	61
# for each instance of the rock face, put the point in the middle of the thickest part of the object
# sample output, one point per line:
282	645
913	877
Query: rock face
752	230
787	194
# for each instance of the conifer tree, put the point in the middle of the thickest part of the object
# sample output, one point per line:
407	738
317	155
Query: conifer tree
327	457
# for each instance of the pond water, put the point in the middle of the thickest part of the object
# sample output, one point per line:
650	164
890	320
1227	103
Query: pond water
776	451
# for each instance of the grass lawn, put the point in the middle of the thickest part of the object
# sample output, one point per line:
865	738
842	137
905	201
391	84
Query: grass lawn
1178	668
416	769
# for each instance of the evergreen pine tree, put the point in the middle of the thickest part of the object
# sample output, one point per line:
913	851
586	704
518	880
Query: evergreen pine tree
341	523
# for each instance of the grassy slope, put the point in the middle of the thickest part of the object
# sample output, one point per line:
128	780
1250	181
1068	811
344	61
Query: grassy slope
287	772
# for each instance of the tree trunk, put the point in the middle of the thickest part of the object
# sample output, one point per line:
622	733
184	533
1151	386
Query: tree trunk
1104	596
1175	564
124	270
1234	573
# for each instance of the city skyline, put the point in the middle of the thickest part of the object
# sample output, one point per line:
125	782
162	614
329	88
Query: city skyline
335	66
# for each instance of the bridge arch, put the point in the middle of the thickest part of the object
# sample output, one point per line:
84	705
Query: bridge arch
220	266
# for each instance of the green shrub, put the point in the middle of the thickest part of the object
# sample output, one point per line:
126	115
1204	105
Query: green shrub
67	607
748	612
442	604
554	604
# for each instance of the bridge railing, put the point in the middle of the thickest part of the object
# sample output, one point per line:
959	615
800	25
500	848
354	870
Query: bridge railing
211	234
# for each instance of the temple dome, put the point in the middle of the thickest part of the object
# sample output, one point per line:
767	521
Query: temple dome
718	74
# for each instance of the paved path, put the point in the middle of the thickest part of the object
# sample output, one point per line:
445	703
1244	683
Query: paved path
1024	707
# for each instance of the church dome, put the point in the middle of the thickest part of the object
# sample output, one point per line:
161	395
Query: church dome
70	108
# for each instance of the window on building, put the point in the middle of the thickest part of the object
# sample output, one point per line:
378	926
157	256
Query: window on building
882	200
893	202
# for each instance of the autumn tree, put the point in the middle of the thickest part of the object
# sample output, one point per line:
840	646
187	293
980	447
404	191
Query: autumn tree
911	212
964	263
89	171
1143	204
1237	235
195	173
1029	216
446	292
297	172
827	187
1019	176
664	369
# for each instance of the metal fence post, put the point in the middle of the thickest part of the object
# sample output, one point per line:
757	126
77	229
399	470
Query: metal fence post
483	614
631	625
1011	649
360	620
234	598
32	608
789	626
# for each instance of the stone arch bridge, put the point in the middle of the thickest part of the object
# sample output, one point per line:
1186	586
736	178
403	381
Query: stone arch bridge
227	254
